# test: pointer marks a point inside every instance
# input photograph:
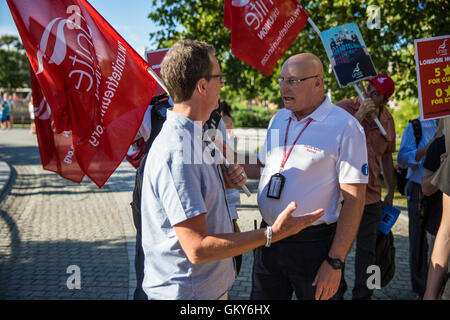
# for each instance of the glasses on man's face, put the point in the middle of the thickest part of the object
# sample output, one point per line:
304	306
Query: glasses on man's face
222	77
294	82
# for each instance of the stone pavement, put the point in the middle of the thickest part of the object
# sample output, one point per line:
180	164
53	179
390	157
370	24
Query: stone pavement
48	224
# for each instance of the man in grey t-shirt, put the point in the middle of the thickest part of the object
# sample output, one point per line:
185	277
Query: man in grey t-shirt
187	230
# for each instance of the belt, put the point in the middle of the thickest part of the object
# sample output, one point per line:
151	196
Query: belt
313	233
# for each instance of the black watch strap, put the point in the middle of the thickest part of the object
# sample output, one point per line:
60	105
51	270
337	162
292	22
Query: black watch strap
335	263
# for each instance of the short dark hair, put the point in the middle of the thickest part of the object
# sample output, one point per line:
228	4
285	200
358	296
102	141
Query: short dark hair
184	64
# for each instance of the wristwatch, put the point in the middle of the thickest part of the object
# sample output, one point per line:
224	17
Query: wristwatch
335	263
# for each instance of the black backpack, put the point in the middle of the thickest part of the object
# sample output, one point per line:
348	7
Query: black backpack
385	256
402	172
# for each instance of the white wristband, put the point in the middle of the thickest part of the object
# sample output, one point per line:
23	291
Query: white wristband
269	236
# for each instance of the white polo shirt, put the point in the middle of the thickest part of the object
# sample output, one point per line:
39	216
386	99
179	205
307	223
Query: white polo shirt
331	150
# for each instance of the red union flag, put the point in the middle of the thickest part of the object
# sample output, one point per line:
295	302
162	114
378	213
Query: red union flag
55	149
96	85
262	30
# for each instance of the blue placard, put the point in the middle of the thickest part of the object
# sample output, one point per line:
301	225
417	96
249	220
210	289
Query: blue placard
389	217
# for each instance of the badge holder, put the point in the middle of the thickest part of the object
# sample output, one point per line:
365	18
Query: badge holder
276	185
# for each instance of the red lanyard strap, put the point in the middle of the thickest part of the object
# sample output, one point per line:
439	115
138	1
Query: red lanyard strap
286	156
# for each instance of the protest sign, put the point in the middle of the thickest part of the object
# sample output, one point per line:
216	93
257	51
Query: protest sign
262	30
154	59
433	76
348	54
96	87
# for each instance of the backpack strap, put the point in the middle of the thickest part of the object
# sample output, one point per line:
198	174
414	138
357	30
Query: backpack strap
417	130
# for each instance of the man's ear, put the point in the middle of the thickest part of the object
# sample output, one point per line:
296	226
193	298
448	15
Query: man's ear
319	81
201	86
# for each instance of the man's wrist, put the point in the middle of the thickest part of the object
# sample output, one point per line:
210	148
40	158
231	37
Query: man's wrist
268	234
335	263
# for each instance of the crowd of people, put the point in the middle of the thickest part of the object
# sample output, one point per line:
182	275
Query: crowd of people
319	189
7	105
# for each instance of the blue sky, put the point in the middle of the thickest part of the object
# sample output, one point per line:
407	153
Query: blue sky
128	17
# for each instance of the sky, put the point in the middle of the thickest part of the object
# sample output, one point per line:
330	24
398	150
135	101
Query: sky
128	17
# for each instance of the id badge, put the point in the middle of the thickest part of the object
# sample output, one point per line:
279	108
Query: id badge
276	185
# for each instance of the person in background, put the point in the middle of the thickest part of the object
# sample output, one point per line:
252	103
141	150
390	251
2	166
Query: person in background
31	112
432	196
379	153
411	156
439	270
6	122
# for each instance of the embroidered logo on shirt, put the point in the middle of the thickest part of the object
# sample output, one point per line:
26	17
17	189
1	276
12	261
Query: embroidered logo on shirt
365	169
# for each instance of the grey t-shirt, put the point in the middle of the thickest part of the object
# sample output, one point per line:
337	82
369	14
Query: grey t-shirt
180	182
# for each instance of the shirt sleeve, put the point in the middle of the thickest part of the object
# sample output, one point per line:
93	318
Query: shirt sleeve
407	152
352	164
391	127
178	185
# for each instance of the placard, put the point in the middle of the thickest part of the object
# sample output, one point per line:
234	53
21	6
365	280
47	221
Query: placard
154	59
433	76
348	54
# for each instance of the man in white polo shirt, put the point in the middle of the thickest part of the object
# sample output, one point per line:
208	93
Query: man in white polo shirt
314	154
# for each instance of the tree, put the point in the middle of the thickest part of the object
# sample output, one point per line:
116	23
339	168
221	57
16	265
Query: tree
391	47
14	65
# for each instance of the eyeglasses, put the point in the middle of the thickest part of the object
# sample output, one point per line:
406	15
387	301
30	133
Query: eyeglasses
294	82
222	77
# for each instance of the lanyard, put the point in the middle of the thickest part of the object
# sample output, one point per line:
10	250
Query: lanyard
286	156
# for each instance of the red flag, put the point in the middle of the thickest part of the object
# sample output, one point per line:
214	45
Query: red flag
56	149
96	85
262	30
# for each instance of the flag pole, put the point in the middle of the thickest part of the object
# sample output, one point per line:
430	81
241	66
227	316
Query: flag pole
158	79
214	142
314	26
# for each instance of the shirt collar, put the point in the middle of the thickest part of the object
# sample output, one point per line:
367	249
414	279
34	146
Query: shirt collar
319	114
186	123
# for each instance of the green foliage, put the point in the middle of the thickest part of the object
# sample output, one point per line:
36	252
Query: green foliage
14	65
391	47
409	109
256	118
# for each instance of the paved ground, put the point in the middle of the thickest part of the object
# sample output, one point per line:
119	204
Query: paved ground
48	224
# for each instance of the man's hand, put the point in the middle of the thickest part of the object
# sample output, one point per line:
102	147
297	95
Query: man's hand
234	176
327	281
443	157
287	225
367	110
